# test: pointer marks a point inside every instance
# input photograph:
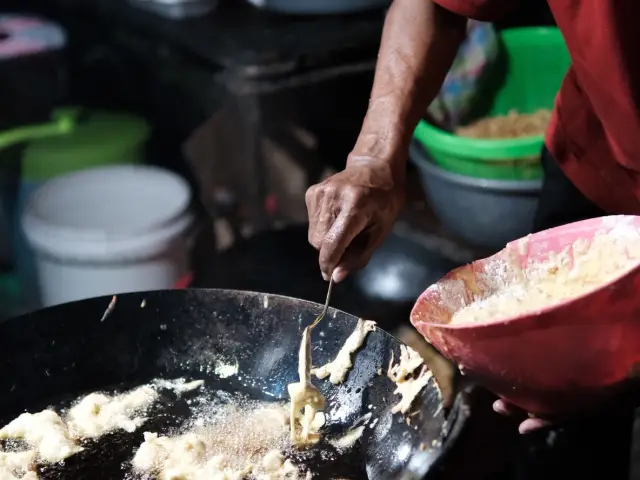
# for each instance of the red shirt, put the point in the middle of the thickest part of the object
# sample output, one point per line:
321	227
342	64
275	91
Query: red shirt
595	129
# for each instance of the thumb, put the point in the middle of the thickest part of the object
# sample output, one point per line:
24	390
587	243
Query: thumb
358	254
533	424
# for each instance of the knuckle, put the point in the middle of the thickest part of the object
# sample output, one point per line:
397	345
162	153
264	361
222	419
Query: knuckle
315	243
353	191
311	194
330	189
355	195
314	239
352	214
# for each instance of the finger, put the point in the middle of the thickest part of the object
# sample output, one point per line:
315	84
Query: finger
324	220
323	225
358	254
503	408
345	228
339	274
321	206
362	248
313	199
533	424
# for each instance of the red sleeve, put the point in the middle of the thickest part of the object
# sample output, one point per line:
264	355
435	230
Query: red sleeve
483	10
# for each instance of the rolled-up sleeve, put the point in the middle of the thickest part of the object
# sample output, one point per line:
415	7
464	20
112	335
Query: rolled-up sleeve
483	10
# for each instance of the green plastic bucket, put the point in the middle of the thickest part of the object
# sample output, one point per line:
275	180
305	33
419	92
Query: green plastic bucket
534	62
97	138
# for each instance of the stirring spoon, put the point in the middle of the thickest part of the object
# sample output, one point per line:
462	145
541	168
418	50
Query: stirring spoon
304	394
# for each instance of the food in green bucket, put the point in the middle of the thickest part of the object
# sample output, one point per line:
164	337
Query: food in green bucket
530	69
511	125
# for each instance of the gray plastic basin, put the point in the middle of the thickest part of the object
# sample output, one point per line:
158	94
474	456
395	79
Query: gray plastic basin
484	213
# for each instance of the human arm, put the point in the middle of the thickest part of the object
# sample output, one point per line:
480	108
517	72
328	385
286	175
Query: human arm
351	213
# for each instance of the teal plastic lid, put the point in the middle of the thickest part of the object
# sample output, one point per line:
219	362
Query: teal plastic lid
98	138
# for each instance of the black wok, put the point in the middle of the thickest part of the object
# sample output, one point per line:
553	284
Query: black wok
65	351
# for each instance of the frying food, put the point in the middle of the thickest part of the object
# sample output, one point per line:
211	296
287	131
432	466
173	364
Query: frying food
304	395
337	369
217	451
18	465
45	433
97	413
407	385
51	438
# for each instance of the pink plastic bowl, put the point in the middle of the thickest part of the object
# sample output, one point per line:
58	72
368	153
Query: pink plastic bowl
556	360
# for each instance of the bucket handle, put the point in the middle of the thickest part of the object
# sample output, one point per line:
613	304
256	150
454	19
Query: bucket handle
62	123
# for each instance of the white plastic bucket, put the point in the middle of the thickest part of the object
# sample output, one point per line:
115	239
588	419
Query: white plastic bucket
108	230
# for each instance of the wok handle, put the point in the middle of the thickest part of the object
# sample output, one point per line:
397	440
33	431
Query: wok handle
478	442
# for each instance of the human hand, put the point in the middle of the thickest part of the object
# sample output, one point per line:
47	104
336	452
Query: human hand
351	213
626	399
530	424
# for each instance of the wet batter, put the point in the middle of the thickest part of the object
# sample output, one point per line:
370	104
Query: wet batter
306	396
337	369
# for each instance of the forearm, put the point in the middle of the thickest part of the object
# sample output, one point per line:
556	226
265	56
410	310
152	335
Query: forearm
419	43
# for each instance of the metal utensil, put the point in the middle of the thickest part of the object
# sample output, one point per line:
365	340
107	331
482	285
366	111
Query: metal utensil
304	395
326	306
305	360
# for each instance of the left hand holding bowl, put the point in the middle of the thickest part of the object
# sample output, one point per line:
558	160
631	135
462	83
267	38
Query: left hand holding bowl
530	424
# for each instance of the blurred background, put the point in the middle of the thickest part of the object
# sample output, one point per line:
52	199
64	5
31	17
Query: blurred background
168	143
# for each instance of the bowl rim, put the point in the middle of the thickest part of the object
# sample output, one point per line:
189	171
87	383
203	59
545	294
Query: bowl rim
420	158
488	325
477	148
